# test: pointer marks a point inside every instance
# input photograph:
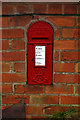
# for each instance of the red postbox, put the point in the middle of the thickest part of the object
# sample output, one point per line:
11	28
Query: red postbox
40	53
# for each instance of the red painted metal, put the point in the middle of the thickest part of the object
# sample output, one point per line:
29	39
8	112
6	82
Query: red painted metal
40	34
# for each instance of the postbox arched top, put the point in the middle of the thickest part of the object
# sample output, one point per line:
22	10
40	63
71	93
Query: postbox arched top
40	31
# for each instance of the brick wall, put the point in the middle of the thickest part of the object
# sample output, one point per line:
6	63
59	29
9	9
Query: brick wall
65	91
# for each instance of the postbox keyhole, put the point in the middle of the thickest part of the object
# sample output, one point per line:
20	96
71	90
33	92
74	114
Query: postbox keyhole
31	59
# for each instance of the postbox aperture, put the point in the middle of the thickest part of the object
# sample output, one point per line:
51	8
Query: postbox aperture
40	53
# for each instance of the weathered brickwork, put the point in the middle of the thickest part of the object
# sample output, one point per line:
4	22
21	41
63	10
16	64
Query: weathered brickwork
65	90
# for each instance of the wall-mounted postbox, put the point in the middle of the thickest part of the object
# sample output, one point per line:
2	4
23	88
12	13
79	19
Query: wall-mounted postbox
40	53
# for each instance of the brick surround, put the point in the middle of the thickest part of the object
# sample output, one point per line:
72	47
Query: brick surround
65	91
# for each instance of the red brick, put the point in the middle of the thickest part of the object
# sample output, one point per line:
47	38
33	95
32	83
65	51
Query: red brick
13	56
39	117
0	21
59	108
66	44
22	8
58	88
39	8
7	9
19	67
12	33
1	67
4	21
19	20
67	33
13	77
66	78
77	89
0	44
36	110
6	88
0	88
70	9
61	20
0	77
70	56
13	99
55	8
76	33
28	89
71	33
0	56
5	44
77	21
57	33
9	99
63	67
78	44
33	89
36	17
5	67
77	67
70	99
0	34
37	99
19	89
18	44
28	117
56	55
54	109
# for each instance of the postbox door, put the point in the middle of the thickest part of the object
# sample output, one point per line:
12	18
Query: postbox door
40	63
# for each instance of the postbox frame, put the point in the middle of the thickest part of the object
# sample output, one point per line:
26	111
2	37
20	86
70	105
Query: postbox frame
44	44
